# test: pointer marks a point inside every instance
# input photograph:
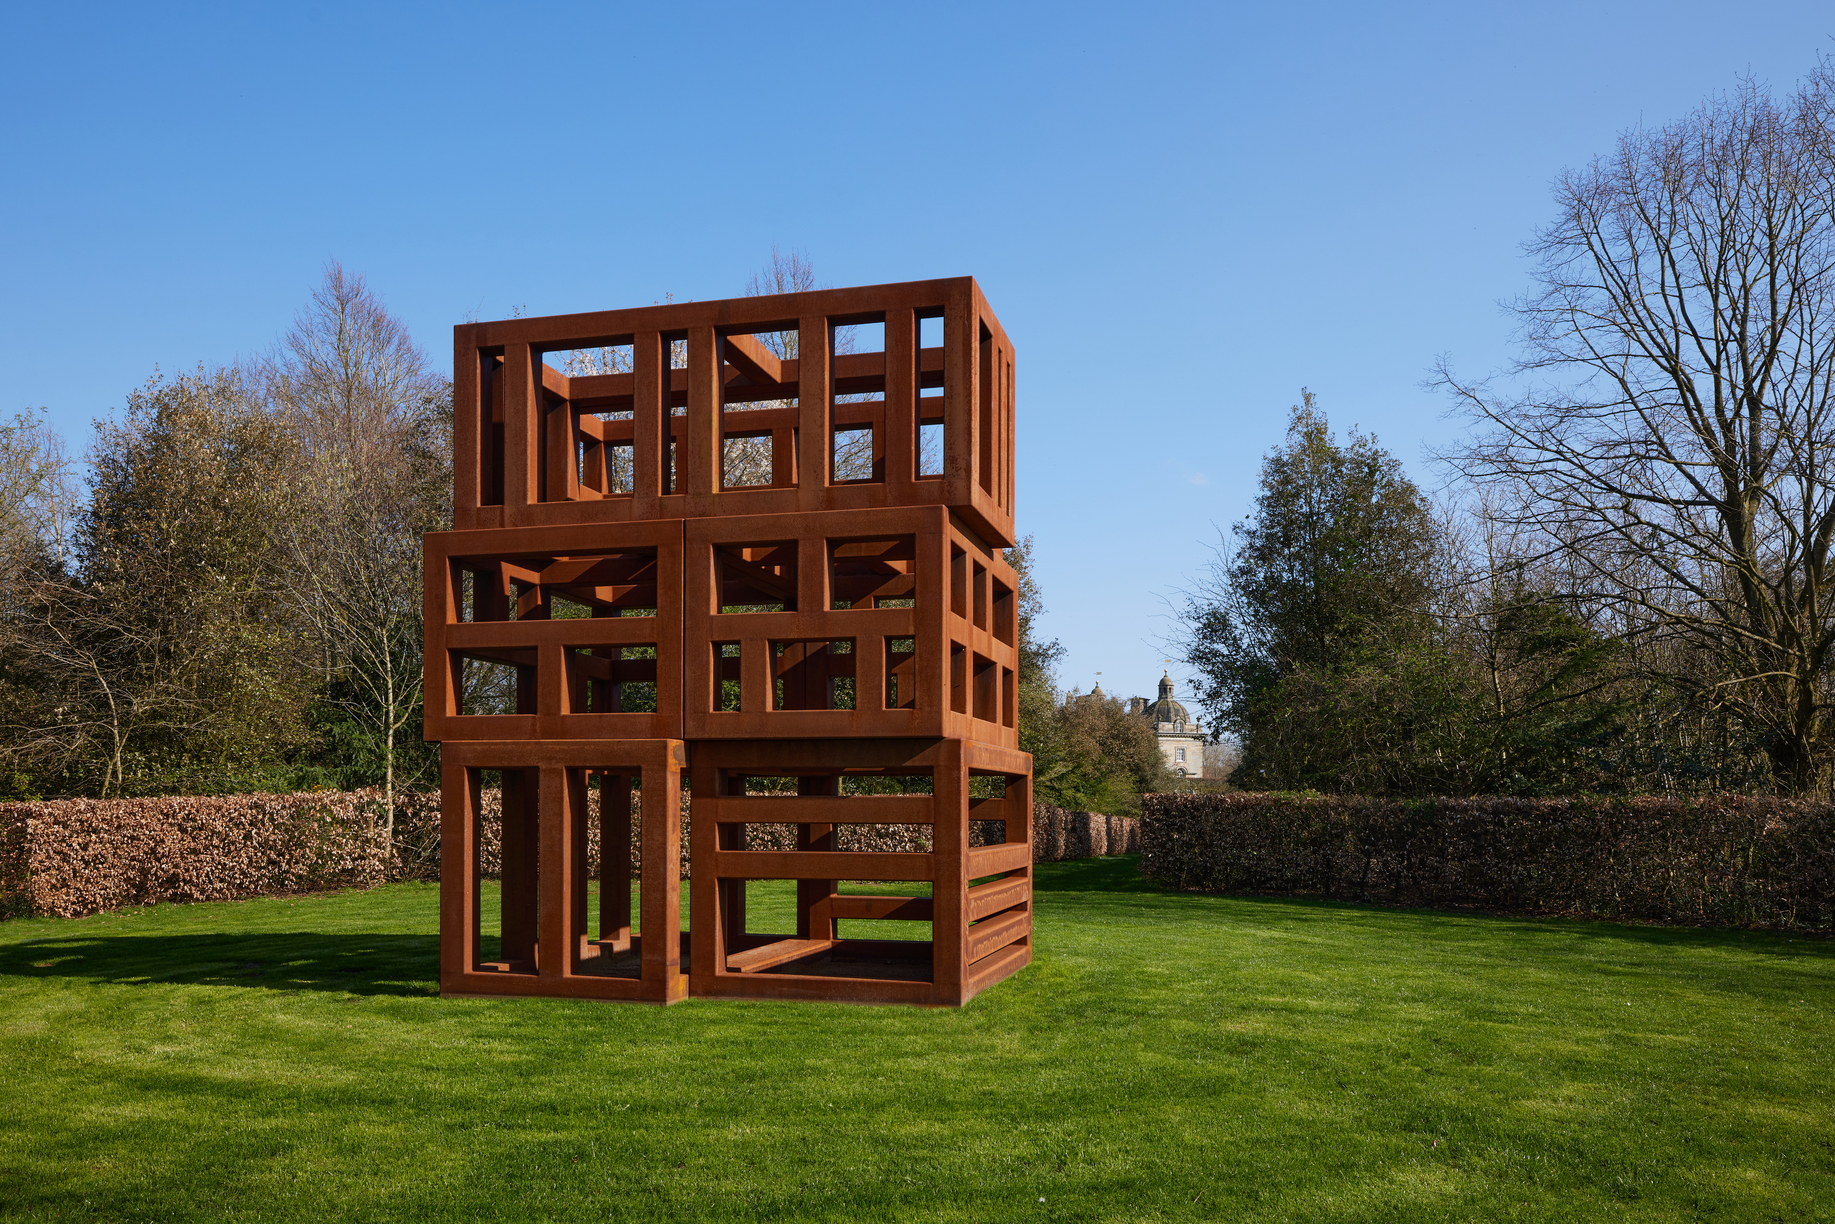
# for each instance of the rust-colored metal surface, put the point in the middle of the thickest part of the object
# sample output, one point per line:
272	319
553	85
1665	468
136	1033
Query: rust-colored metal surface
977	899
758	542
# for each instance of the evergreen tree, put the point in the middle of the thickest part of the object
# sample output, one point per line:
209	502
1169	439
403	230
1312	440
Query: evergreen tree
1348	645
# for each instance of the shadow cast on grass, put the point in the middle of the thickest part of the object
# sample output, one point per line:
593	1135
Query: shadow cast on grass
357	964
1100	875
353	963
408	965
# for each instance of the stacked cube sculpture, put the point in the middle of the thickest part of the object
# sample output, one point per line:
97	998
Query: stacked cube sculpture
758	542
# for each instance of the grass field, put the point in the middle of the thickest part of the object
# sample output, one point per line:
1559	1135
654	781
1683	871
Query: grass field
1167	1057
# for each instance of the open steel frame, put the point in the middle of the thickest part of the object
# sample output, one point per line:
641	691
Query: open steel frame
744	549
545	947
980	902
530	442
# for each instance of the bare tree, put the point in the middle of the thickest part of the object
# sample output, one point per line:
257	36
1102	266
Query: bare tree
1221	759
35	495
1672	447
788	272
349	377
35	503
372	425
747	461
99	679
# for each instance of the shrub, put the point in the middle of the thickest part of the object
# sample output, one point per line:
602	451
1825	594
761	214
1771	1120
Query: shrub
1726	860
77	856
1058	834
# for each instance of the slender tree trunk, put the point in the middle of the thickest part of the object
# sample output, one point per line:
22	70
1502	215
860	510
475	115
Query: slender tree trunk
388	760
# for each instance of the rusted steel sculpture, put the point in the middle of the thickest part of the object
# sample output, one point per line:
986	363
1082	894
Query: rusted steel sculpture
749	553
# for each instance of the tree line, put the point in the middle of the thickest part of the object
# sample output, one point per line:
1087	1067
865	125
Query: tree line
1620	588
231	601
1623	587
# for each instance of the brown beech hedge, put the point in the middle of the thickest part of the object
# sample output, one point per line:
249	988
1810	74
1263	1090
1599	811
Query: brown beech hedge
1723	860
78	856
1059	834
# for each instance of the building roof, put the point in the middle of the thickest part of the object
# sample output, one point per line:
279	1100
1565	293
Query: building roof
1166	710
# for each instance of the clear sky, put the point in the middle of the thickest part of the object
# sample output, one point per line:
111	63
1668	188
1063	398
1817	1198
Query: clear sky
1182	214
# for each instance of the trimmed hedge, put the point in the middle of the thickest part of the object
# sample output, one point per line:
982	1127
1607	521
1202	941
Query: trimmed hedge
77	856
1723	860
1059	834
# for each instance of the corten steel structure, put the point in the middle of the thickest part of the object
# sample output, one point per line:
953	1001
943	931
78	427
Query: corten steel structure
757	556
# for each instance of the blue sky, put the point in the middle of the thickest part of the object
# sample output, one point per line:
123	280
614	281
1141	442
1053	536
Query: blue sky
1182	214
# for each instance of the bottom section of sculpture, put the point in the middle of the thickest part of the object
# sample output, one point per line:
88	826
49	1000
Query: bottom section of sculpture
583	821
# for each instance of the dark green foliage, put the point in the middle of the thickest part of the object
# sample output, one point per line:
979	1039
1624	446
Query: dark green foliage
1721	860
1341	544
1038	659
1100	757
1088	753
1349	647
347	754
1313	642
1555	704
170	649
235	603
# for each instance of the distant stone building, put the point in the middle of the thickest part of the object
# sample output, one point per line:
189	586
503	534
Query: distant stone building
1181	739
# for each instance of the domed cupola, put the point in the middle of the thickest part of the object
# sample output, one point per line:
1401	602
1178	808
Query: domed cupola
1166	710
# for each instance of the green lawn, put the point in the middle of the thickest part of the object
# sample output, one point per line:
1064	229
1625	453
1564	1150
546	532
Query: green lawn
1167	1057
